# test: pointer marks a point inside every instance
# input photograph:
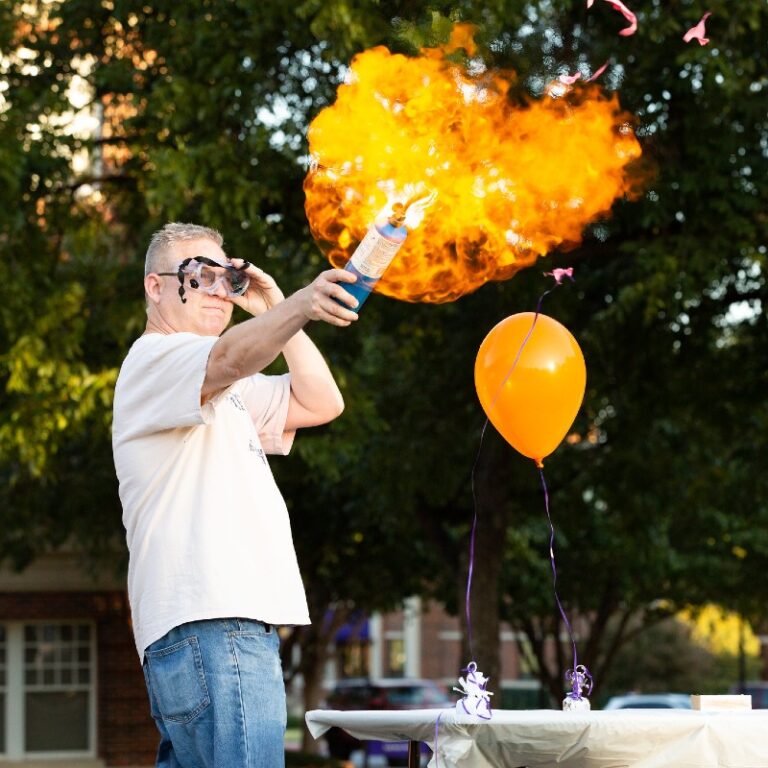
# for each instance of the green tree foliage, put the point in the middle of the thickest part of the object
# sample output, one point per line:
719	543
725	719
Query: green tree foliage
662	501
667	658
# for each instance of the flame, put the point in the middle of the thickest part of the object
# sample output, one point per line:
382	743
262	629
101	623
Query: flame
508	182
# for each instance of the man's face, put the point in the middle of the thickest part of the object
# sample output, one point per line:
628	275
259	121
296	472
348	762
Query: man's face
206	314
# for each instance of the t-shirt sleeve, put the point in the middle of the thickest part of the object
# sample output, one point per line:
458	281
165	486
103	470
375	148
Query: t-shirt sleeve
267	399
160	384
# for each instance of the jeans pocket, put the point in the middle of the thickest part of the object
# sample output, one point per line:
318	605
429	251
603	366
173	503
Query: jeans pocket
178	680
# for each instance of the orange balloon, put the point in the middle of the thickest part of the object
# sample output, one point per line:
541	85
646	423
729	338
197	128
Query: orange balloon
531	403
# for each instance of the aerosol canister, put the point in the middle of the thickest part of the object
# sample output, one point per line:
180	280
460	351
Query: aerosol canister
375	253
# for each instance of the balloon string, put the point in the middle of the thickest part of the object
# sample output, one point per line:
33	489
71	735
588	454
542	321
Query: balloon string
554	569
470	572
468	606
522	346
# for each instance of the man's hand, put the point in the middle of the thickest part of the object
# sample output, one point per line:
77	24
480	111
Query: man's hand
318	299
263	292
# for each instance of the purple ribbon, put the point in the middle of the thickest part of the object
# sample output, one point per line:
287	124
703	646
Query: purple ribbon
578	678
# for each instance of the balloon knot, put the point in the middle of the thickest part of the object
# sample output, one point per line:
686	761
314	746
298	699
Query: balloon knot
559	274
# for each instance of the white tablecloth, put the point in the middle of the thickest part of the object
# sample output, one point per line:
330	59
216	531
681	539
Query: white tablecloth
548	738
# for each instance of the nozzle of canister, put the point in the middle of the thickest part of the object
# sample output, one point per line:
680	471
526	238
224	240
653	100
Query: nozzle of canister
397	217
399	210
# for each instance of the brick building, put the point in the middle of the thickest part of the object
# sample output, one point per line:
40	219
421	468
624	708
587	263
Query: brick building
71	687
72	690
423	641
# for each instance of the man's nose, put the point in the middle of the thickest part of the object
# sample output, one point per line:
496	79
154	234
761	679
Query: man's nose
220	289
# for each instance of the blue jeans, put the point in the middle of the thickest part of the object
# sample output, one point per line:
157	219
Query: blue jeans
217	696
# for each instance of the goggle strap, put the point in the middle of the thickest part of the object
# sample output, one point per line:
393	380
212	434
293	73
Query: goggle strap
184	264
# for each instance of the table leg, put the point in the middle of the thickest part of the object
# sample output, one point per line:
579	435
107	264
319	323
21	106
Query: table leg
414	754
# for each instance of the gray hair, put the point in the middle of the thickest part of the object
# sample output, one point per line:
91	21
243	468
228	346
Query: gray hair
172	233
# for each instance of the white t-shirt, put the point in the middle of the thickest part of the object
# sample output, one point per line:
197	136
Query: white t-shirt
207	529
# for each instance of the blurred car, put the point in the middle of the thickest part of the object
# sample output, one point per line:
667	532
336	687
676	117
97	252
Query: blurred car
384	693
758	690
650	701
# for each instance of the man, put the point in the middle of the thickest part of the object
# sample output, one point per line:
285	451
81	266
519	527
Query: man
212	567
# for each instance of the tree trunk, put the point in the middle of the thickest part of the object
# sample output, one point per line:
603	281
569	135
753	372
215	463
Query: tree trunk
481	638
313	658
314	643
762	634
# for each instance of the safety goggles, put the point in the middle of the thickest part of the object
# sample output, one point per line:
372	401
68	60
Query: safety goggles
203	277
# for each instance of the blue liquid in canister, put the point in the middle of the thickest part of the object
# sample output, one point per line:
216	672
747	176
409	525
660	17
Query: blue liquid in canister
372	257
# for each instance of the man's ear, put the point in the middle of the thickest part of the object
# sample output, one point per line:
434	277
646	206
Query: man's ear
153	287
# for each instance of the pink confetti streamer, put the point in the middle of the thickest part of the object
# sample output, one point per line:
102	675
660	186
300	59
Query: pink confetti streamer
569	79
628	15
697	32
625	12
599	72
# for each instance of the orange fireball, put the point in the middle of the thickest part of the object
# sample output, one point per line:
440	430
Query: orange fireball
511	182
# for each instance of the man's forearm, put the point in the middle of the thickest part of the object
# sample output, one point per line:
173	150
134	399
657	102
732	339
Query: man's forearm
250	346
312	383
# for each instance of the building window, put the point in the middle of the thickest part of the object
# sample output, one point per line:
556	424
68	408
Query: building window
57	687
395	657
352	659
48	697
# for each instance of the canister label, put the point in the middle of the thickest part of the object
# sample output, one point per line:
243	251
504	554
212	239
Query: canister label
374	254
